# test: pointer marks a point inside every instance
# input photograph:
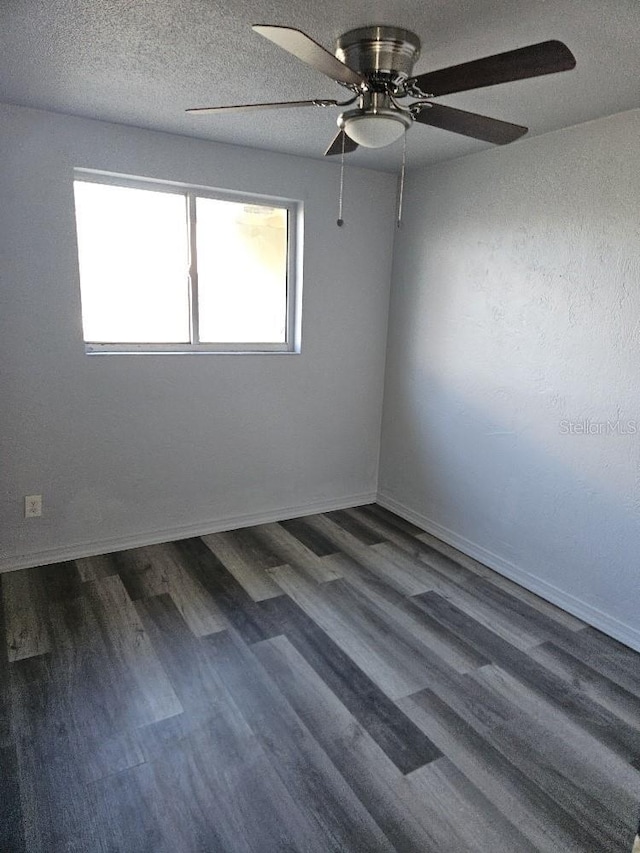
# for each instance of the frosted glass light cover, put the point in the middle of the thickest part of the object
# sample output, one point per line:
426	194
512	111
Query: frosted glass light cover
374	131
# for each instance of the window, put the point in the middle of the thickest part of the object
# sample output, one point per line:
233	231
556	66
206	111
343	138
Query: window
164	268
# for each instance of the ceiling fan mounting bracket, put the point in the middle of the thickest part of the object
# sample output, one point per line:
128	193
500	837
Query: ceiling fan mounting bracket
383	54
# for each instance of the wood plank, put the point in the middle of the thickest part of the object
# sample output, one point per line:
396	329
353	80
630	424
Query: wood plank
375	780
223	753
235	604
348	630
184	659
246	564
385	651
474	698
59	810
591	683
197	607
455	652
451	563
59	813
126	639
429	559
36	702
407	580
480	569
134	815
454	554
255	549
423	545
294	553
583	788
303	766
518	798
156	570
136	573
484	829
566	745
593	717
572	623
107	756
616	662
400	739
11	830
364	534
25	610
6	737
580	775
512	620
222	756
392	518
384	529
314	541
59	581
95	690
515	611
246	556
96	568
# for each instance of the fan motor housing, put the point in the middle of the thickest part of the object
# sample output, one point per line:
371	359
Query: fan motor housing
379	51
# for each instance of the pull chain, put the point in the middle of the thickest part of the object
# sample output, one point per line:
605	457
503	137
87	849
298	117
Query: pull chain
340	222
401	193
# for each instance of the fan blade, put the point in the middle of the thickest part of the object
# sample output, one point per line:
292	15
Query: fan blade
336	144
318	102
470	124
547	57
309	51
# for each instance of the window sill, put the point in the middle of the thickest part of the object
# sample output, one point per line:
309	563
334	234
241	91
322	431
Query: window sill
179	349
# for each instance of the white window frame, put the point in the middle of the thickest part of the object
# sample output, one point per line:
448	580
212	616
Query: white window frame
293	326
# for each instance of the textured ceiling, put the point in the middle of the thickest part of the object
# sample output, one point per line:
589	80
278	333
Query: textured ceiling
142	62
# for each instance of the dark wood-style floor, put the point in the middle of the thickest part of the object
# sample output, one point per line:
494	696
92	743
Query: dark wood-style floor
342	682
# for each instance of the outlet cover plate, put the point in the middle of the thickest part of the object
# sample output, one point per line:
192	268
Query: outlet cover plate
33	506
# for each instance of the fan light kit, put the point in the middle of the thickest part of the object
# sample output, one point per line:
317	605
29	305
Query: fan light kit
375	124
376	63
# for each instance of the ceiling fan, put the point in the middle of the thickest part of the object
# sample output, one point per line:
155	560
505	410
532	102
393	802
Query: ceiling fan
375	64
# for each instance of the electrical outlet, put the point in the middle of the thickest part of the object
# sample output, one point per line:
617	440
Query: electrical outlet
33	506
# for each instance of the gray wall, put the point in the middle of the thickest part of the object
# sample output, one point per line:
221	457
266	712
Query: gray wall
516	308
137	448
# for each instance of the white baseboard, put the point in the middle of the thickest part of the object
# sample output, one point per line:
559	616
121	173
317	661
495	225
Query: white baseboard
153	537
626	634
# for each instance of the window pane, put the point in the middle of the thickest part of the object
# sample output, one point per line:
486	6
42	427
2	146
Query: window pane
242	272
133	254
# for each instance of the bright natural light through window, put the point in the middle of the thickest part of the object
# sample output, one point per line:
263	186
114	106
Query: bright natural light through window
242	271
164	268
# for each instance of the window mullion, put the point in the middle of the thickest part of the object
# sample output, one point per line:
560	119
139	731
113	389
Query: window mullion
193	269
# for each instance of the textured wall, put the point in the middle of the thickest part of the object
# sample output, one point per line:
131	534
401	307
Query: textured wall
151	446
516	310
